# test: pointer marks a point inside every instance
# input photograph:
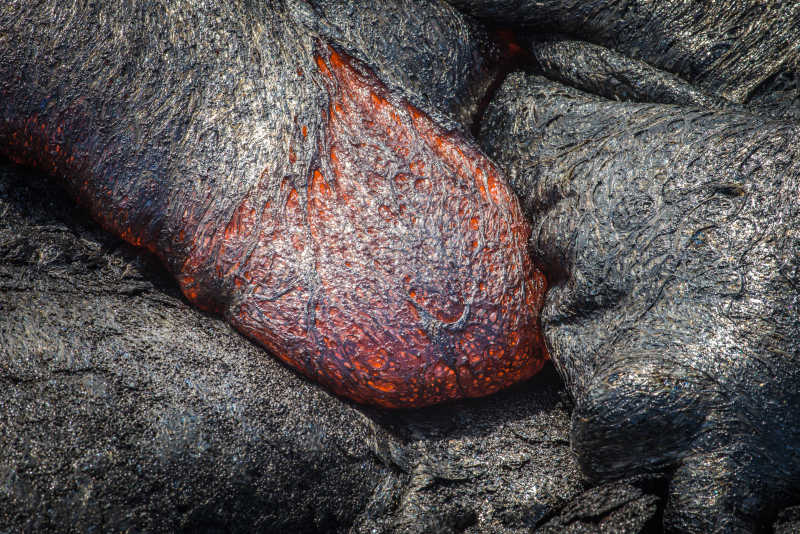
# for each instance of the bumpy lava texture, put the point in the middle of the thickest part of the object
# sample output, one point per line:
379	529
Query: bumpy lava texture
726	47
418	288
394	270
288	189
677	228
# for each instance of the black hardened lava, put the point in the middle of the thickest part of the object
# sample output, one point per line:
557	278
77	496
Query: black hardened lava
674	325
309	170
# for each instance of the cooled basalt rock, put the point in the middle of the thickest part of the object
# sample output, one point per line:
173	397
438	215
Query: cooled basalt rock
728	47
670	237
285	187
243	146
604	72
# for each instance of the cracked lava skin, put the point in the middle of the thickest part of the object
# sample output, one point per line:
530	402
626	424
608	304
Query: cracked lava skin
395	271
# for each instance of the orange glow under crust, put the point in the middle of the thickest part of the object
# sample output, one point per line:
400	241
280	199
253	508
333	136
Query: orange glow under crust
422	288
397	274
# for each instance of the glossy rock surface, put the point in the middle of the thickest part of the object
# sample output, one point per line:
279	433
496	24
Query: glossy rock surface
670	236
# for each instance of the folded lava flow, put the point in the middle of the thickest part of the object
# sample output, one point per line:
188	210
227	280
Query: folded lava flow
288	189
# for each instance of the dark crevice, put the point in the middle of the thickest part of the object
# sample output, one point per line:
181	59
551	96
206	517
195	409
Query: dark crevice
513	57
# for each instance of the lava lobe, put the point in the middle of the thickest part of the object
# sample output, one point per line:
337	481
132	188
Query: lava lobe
395	272
411	283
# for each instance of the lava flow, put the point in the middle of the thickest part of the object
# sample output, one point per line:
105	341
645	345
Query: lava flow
395	273
421	289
